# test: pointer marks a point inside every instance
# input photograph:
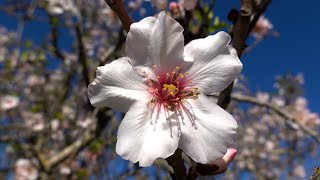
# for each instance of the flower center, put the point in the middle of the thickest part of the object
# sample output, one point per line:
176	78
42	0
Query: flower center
171	89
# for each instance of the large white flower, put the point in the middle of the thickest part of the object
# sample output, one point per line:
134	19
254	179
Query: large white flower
162	86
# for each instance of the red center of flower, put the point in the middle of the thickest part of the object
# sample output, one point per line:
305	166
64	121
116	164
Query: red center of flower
171	88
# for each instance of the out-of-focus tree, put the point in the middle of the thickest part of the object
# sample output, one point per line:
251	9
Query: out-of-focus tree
48	128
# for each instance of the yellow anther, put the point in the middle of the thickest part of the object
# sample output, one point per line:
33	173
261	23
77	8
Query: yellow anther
167	74
177	67
173	72
154	66
181	75
171	88
187	72
158	77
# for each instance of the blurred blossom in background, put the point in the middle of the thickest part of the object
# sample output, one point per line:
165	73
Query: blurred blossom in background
49	52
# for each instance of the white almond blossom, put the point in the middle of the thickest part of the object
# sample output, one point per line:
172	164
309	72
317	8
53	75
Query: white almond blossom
57	7
162	85
35	121
262	28
25	170
8	102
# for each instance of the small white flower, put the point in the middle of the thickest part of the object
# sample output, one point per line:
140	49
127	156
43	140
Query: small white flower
25	170
54	124
34	120
34	80
262	28
299	172
85	122
162	86
264	97
8	102
57	7
65	170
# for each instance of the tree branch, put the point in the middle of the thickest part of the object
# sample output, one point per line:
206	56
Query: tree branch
47	164
92	132
177	163
260	9
240	34
278	110
118	7
82	56
53	22
7	139
316	174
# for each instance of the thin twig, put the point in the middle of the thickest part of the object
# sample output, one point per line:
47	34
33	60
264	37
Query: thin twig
55	36
82	56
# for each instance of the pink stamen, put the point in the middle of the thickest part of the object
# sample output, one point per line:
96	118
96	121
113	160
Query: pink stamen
170	91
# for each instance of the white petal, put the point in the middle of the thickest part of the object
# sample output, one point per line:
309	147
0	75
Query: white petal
207	131
138	40
216	63
117	85
189	4
143	141
156	42
55	10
